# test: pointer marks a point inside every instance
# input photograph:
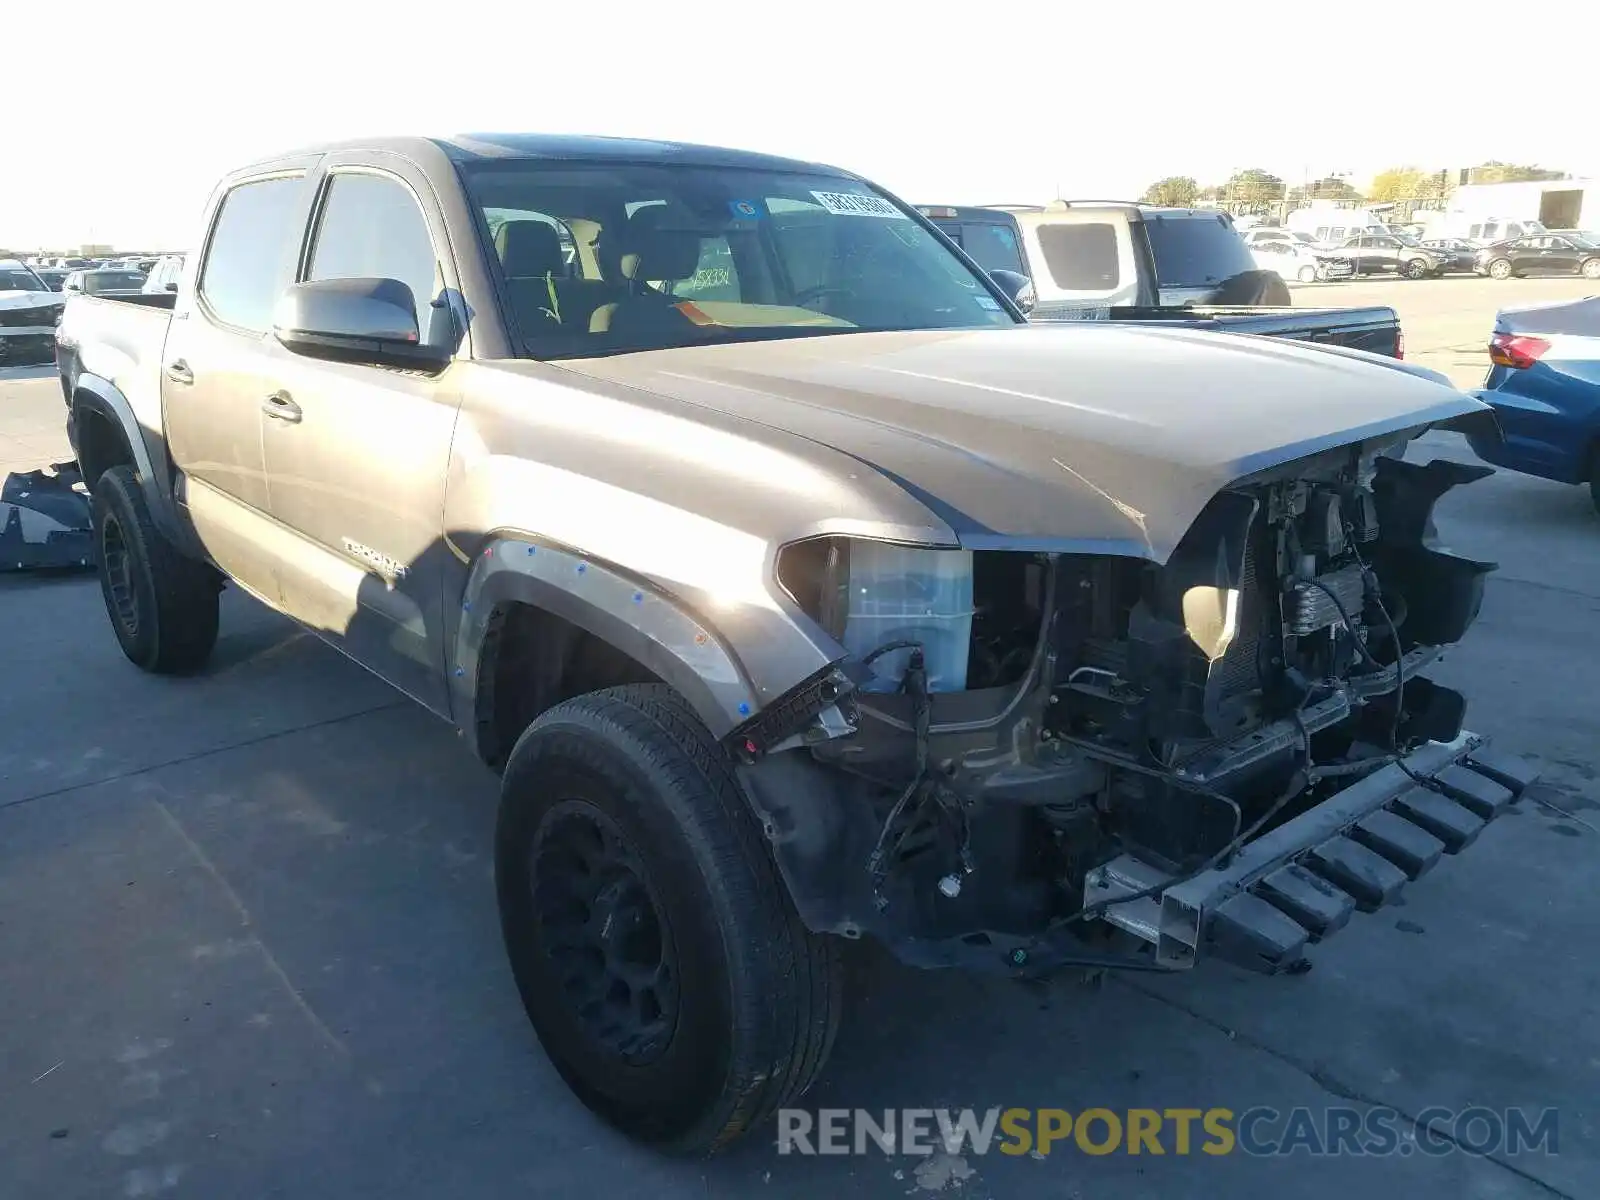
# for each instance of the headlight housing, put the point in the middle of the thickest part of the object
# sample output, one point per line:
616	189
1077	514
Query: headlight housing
872	595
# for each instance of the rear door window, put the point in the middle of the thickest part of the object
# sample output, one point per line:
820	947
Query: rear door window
252	252
1198	251
1081	256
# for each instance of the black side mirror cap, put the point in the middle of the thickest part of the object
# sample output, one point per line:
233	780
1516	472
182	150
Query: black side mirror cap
1017	287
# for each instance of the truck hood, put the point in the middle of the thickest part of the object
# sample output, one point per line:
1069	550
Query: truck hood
1090	438
10	299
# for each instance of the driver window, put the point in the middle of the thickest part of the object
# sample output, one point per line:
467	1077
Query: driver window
371	227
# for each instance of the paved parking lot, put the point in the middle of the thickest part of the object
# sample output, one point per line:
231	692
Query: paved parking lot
248	944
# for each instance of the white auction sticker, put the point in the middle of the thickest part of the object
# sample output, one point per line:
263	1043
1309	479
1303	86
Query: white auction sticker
848	204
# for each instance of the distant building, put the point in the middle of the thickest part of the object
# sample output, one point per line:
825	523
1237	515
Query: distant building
1554	203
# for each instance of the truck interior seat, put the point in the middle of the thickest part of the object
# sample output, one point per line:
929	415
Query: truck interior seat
543	292
654	245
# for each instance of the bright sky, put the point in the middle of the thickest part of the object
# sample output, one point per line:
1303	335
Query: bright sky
124	112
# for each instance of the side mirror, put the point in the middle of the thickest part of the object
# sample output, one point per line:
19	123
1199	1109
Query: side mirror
1018	287
372	321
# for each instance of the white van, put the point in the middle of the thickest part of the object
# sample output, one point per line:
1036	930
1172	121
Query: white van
1333	225
1478	229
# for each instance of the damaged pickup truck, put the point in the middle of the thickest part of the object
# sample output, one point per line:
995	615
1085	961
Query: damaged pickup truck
799	589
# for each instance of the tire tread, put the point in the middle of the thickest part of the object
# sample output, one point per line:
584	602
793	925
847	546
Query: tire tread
786	1014
187	592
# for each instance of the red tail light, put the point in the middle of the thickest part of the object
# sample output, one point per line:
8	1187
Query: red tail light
1399	343
1516	350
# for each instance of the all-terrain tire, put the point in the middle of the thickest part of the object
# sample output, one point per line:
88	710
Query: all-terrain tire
755	996
163	605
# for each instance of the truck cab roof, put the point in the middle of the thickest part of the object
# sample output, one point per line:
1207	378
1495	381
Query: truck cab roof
481	147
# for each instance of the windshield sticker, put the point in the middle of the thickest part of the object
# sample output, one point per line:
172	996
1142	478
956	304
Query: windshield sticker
987	302
746	210
848	204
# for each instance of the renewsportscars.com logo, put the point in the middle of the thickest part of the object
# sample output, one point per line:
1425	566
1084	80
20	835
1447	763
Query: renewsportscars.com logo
1259	1131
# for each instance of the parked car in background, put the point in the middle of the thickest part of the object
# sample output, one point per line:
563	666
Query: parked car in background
1255	237
29	311
164	274
1588	235
1461	254
1545	254
104	283
1391	253
1089	256
1299	263
53	277
1544	386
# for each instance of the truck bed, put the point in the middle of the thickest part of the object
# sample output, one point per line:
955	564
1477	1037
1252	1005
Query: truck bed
118	340
1375	328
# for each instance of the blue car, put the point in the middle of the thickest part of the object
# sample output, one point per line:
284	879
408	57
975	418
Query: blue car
1544	386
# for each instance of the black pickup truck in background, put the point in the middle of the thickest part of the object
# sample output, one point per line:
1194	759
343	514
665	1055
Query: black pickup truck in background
1118	261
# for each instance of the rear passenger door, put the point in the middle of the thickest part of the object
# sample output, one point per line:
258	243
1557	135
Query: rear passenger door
356	459
218	366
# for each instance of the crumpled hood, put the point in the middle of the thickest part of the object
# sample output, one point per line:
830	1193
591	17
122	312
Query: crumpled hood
11	299
1080	437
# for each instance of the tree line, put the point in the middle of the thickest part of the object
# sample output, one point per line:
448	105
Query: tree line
1255	187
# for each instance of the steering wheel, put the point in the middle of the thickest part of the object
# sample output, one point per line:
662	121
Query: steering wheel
803	298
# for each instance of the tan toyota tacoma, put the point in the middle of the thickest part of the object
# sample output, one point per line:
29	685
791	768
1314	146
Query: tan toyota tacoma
798	587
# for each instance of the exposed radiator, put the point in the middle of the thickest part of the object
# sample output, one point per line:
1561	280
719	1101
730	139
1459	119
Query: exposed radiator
1311	607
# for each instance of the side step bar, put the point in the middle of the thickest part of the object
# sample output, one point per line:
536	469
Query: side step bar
1299	883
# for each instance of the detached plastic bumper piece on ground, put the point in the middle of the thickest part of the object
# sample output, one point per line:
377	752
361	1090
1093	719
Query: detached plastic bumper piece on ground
1296	885
44	520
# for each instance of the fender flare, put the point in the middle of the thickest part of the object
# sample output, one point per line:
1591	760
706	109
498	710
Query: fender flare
685	651
99	395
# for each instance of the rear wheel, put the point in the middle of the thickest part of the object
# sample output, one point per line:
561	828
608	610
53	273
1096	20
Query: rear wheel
1590	268
1500	268
163	606
664	969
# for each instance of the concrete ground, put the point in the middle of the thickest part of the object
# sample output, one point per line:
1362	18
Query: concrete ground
248	944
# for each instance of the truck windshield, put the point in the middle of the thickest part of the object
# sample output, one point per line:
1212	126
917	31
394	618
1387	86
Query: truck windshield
12	280
613	257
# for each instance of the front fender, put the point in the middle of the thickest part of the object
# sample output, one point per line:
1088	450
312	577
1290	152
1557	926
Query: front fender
685	651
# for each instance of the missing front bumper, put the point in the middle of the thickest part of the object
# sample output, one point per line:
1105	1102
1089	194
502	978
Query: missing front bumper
1301	882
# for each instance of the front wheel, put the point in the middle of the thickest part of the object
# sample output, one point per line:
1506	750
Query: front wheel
1414	268
1500	268
1308	274
657	954
163	605
1590	268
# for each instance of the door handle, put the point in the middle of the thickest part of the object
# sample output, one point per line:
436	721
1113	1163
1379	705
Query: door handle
281	408
178	371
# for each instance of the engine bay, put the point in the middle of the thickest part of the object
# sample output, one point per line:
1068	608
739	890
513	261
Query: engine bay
1102	705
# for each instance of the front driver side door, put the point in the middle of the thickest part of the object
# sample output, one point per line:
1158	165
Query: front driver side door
356	455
